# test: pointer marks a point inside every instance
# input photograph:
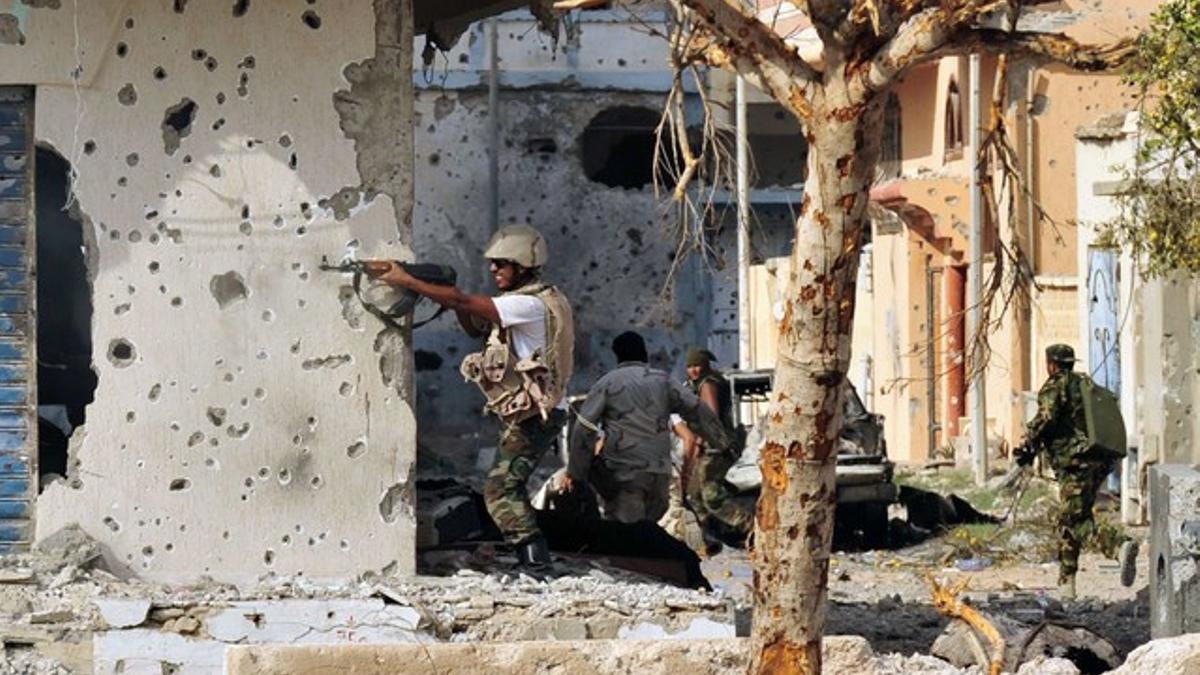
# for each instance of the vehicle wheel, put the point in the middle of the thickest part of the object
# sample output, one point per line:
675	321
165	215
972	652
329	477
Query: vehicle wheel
873	524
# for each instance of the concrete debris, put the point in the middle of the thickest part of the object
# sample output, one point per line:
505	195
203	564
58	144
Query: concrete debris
52	616
118	613
1166	656
29	662
69	546
962	646
17	576
1048	665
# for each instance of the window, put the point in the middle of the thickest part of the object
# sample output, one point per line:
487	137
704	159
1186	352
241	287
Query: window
618	147
889	152
953	124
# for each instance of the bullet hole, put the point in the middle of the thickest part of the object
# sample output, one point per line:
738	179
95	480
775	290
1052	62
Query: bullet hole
177	123
293	161
195	439
311	19
247	63
285	477
225	535
121	353
356	449
177	301
216	416
131	417
426	360
122	181
180	5
285	141
180	484
127	95
262	355
434	159
228	377
239	432
129	23
228	288
122	50
151	215
155	392
268	316
541	146
215	171
216	126
132	159
121	308
211	64
345	389
269	558
317	482
295	348
169	547
312	423
148	551
306	210
212	463
89	147
160	73
246	228
111	523
199	54
153	267
279	223
243	88
240	7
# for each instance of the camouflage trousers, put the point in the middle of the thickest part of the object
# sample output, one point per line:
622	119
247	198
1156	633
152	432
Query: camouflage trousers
1078	483
504	489
715	502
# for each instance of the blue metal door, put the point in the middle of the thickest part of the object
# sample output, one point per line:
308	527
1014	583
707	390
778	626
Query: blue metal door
1104	350
18	377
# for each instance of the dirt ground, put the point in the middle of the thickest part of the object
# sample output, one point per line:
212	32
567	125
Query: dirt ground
883	594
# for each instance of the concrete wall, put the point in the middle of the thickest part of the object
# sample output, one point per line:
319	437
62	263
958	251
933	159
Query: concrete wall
254	424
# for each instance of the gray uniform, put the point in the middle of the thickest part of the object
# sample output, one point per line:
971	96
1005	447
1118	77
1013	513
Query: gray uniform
633	405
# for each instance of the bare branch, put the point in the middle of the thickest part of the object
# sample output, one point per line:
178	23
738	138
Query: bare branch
1054	47
742	33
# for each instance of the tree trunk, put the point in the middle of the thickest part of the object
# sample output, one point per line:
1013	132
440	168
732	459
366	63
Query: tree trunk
795	512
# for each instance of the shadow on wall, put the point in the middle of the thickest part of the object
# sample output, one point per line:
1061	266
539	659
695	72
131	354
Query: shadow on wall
66	383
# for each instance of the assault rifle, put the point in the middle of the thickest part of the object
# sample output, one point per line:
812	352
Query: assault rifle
442	275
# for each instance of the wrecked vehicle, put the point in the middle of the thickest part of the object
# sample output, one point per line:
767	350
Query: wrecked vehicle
865	485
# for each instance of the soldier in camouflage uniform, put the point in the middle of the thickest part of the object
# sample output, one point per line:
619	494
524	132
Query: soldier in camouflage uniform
715	502
1059	428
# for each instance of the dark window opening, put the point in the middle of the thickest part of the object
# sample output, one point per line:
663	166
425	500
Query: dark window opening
66	383
890	149
618	147
953	124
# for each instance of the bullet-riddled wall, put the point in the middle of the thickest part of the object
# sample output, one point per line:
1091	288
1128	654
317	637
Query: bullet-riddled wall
248	419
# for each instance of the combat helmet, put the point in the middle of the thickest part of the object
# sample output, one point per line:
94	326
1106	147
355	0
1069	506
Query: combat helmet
521	244
1061	354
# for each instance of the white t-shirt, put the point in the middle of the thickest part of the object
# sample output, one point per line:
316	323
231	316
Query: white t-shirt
525	318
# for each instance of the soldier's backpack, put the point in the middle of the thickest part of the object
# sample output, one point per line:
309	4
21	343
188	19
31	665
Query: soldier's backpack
1105	427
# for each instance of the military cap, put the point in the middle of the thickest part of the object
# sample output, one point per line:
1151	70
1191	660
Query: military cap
699	356
1060	353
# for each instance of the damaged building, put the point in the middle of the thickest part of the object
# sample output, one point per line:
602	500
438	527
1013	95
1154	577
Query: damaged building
210	403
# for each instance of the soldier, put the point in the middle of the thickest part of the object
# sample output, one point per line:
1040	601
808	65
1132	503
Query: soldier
715	502
1059	428
523	371
632	404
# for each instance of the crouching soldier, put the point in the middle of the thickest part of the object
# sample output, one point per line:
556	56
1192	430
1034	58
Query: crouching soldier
633	404
523	371
1060	430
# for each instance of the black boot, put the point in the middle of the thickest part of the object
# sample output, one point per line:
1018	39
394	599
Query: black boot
534	554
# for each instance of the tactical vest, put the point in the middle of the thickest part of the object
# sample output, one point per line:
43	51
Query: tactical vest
517	389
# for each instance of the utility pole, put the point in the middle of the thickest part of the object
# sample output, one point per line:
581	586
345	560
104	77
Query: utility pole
743	227
979	449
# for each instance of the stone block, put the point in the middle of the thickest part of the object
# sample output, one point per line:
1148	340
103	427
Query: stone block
1174	550
842	654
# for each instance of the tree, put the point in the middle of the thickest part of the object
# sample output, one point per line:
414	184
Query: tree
1160	221
866	45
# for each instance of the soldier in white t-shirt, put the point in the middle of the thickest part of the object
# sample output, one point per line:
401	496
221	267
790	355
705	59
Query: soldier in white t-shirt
523	371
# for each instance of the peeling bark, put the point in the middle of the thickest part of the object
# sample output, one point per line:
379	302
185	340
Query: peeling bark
795	512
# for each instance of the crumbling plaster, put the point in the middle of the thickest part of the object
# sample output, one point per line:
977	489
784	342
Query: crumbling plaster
251	430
